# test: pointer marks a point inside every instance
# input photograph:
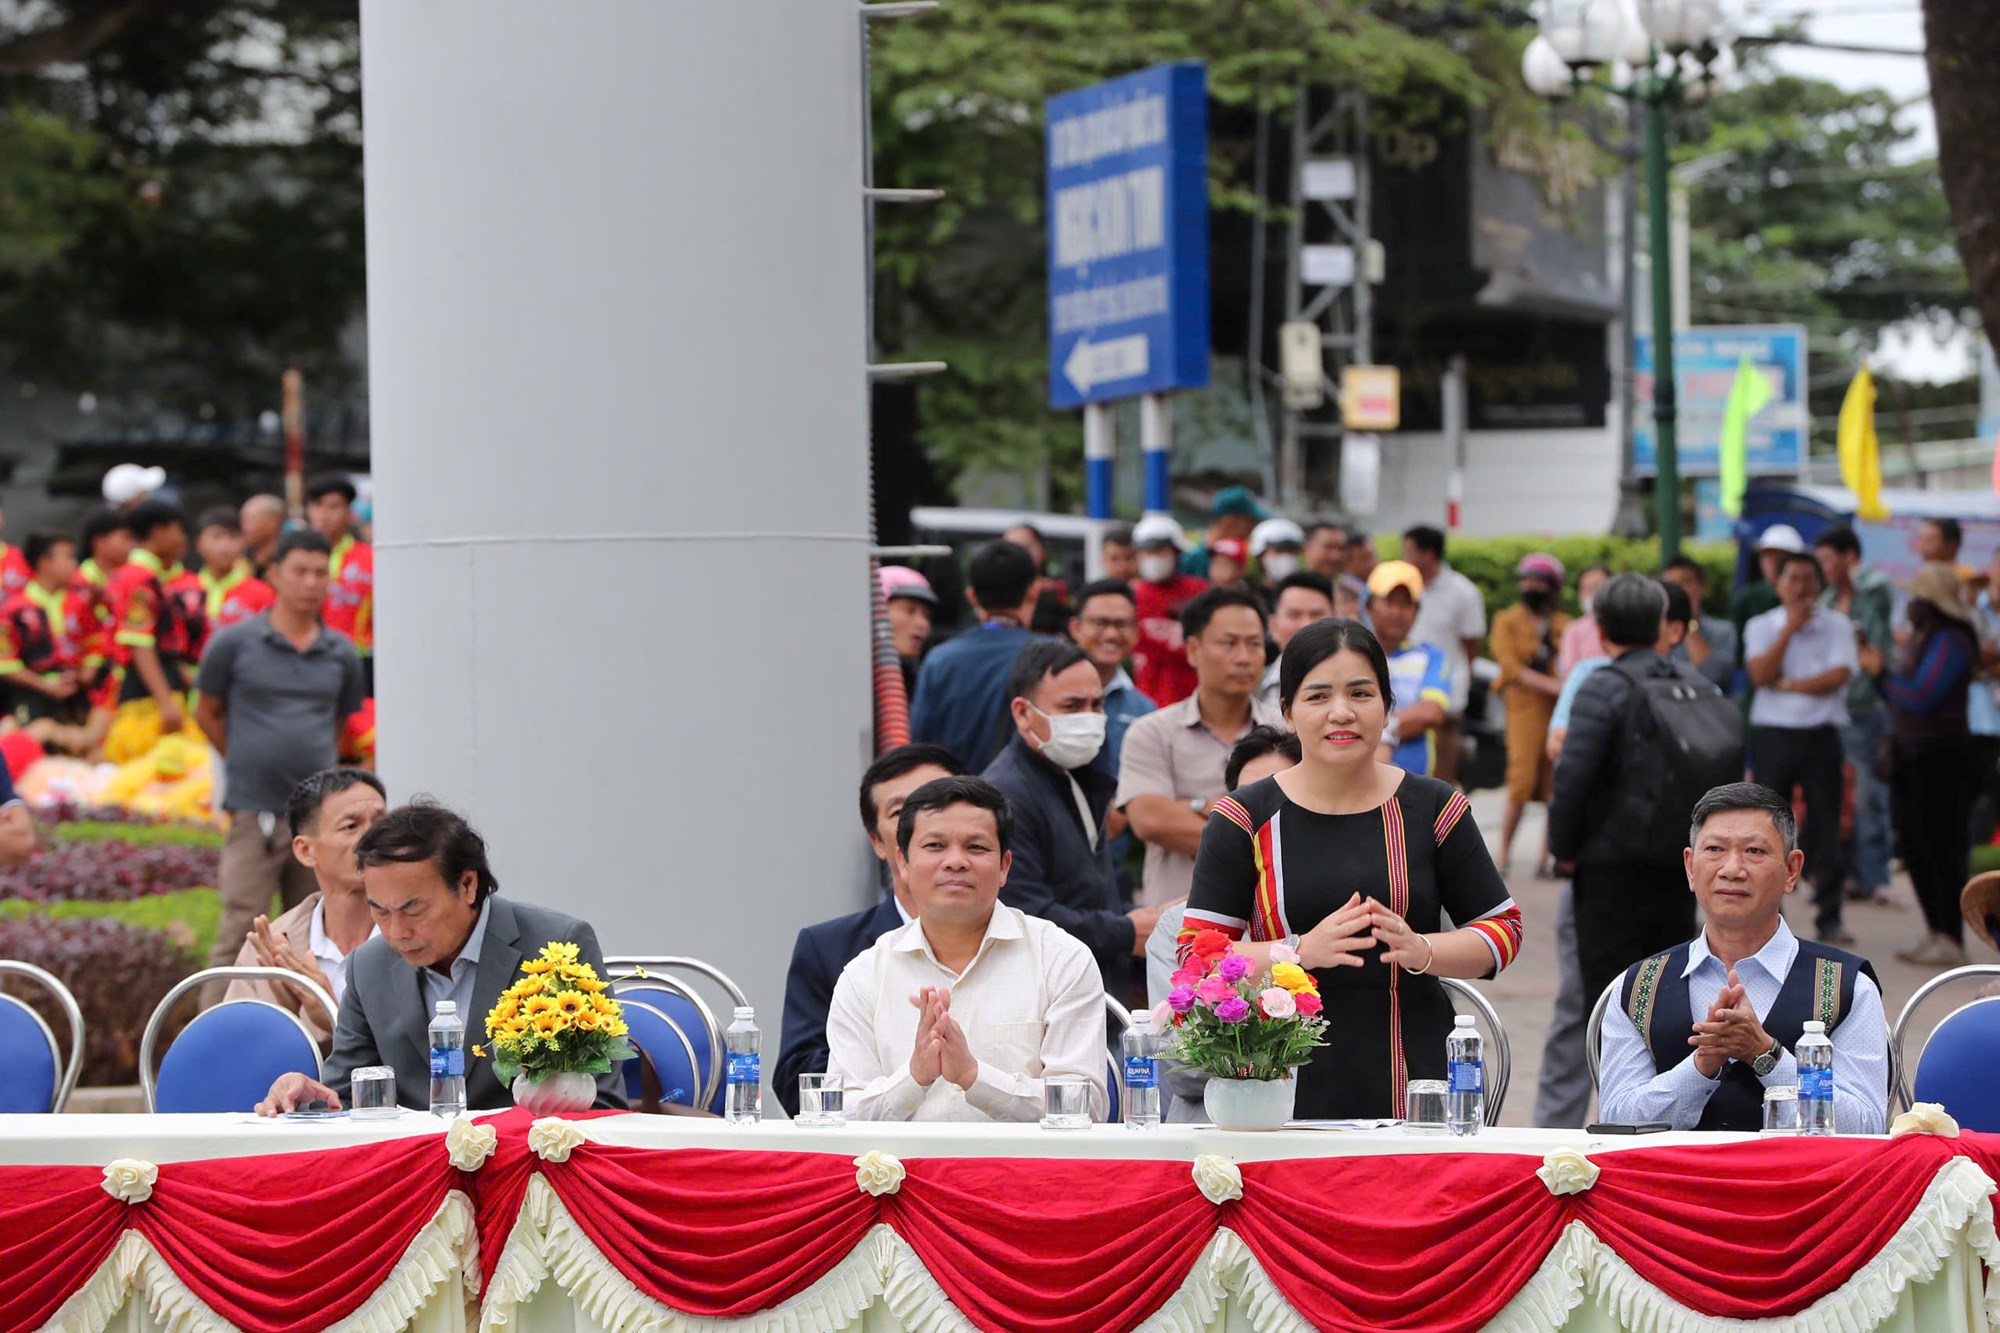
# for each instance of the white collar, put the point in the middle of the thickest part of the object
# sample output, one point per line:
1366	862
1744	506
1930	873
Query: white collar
1004	924
1775	957
319	941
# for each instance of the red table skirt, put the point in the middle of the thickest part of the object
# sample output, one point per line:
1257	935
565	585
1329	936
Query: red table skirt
1825	1230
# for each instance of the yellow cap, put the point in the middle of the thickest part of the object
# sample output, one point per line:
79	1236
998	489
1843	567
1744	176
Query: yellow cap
1393	574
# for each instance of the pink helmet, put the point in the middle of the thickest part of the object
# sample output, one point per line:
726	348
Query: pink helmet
1540	564
902	581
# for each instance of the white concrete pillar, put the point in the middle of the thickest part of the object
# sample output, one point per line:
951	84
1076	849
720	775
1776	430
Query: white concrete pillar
617	365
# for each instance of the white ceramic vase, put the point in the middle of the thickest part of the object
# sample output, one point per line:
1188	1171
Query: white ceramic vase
553	1094
1250	1103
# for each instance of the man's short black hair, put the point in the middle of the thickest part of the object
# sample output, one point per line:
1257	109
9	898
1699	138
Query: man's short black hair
1000	575
1691	565
1629	609
1949	530
101	525
1257	742
1104	588
1118	534
1202	608
1746	796
1794	557
943	793
1427	539
1320	525
311	794
149	516
423	830
1310	579
1680	607
301	539
331	483
219	516
1839	538
1039	660
36	549
896	763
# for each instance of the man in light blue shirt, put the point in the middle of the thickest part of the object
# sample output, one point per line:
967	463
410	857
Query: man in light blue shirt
1698	1033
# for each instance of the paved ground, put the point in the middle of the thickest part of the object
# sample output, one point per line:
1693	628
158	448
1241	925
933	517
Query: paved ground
1525	992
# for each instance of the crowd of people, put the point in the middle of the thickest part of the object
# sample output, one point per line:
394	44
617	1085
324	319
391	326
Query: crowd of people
1175	752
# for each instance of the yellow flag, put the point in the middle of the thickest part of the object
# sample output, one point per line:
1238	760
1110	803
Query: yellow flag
1748	396
1860	455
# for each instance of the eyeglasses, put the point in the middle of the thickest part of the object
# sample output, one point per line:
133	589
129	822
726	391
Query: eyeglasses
1103	623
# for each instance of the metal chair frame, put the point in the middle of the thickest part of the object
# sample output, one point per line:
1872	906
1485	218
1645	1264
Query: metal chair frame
149	1080
1593	1033
678	1032
66	1081
681	963
712	1076
1503	1064
1899	1084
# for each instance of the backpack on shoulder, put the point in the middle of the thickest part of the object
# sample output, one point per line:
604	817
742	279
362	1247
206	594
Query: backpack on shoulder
1681	737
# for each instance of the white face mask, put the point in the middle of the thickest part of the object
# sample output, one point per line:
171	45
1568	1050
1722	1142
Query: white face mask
1279	566
1157	568
1074	738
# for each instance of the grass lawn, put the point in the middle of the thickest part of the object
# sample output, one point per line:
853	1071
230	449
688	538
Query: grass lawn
139	835
191	915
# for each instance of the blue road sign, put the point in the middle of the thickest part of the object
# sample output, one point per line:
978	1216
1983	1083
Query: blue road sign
1128	236
1705	365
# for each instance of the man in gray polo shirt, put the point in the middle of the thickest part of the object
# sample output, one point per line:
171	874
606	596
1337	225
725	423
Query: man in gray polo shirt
275	690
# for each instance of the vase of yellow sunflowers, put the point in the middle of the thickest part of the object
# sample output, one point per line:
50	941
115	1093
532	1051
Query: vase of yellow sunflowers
554	1031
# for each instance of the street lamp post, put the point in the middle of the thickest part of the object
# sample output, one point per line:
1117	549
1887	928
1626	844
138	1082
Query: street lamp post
1674	51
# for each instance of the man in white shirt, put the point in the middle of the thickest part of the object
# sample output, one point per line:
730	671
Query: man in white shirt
1754	986
1800	656
328	812
963	1013
1452	619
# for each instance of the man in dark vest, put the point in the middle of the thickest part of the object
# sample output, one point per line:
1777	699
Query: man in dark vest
1699	1032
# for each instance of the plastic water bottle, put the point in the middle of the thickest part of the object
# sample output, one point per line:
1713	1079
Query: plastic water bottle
1464	1053
745	1102
447	1060
1142	1073
1815	1056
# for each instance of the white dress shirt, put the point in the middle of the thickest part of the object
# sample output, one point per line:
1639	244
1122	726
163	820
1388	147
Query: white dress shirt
1031	1003
1452	611
326	953
1826	642
1633	1094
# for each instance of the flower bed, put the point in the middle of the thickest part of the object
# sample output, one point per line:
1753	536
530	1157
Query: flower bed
118	974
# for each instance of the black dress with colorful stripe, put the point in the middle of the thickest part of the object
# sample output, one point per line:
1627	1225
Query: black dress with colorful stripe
1269	868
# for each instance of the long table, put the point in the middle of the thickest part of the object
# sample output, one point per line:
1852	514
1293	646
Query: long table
626	1222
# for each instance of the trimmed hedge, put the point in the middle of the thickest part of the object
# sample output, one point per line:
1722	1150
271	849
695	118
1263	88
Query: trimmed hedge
95	829
190	917
1489	562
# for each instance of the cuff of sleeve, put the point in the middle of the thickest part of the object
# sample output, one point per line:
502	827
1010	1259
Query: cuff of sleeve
988	1093
1691	1085
1785	1074
904	1096
132	640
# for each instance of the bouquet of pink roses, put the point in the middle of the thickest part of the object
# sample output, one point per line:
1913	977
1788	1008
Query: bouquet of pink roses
1231	1021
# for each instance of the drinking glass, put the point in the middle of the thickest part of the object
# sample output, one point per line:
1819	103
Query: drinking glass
372	1095
1424	1106
822	1100
1066	1102
1781	1110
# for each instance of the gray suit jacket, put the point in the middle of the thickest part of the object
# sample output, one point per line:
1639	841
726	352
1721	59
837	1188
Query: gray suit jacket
384	1020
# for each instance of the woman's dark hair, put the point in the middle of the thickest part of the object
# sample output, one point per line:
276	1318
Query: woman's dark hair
1321	640
302	810
1680	607
942	794
1256	743
423	830
1628	610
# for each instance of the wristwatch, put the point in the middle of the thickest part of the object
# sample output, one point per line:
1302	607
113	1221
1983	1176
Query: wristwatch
1196	804
1765	1063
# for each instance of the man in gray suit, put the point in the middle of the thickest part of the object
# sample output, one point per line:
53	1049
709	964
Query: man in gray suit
446	935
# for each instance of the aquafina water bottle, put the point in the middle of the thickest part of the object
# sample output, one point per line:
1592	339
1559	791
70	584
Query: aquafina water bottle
1142	1073
447	1060
1464	1053
1815	1056
745	1101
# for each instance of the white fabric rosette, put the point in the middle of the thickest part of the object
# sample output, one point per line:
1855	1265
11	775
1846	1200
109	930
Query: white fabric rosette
1217	1178
130	1180
877	1173
469	1144
1567	1171
1924	1118
553	1139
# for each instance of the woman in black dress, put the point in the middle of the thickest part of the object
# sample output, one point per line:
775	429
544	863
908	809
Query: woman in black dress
1354	864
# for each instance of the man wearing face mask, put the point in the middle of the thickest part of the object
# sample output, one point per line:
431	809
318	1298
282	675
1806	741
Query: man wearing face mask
1062	861
1275	545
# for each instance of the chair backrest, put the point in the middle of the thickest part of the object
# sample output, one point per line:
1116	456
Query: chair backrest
661	1043
1957	1068
1500	1057
695	1020
1593	1032
27	1083
229	1056
671	963
1906	1020
1114	1084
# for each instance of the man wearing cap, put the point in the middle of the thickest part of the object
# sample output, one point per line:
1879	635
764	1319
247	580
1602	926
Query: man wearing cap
1525	636
1277	545
1234	515
1452	619
127	484
910	601
1159	662
1754	599
1297	600
1229	562
1419	673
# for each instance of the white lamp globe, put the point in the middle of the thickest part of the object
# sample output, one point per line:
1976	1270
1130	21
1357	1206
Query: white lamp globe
1665	22
1545	72
1603	31
1562	28
1636	47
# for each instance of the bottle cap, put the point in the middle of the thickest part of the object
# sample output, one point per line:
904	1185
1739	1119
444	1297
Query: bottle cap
1464	1021
746	1011
1142	1019
447	1006
1815	1025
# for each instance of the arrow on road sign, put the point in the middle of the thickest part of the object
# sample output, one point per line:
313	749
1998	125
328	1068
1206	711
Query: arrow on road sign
1091	363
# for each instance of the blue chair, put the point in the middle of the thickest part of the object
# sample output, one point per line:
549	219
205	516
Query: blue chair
1115	1086
690	1014
33	1078
1958	1069
229	1056
1899	1035
661	1043
1118	1021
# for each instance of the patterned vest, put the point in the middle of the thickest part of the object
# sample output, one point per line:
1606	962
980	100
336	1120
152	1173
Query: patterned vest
1819	986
